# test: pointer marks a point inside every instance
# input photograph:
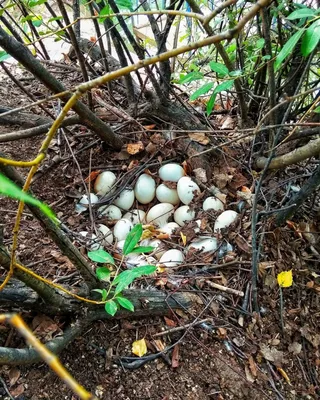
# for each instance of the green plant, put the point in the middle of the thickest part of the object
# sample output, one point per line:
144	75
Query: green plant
113	296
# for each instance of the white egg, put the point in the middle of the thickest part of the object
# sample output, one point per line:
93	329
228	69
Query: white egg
125	200
111	212
172	258
212	203
187	189
205	245
120	245
145	189
159	214
85	199
167	195
107	234
171	172
198	227
183	214
225	219
82	206
121	229
135	216
135	260
159	248
104	182
169	228
92	241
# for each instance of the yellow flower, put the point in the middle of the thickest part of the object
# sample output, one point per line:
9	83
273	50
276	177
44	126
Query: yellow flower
285	278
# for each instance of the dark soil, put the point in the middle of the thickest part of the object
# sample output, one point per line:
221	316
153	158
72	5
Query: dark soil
222	359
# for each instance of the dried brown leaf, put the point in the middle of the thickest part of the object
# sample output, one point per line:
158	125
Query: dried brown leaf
199	137
175	357
14	375
17	391
135	148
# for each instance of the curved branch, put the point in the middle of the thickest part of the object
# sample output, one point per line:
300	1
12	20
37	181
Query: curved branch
311	149
37	130
157	303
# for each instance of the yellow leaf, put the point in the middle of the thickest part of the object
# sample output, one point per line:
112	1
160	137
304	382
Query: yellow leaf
184	238
139	347
284	374
285	278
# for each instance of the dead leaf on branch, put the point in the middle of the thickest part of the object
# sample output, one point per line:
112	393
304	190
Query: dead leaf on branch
135	148
199	137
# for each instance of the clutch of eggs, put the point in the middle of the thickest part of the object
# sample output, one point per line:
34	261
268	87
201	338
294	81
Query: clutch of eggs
166	216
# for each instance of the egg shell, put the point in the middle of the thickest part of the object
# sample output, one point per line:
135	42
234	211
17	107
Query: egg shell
224	249
121	229
225	219
125	200
85	199
159	214
169	228
171	172
135	260
135	216
205	245
93	242
183	214
212	203
172	258
104	182
111	212
166	195
159	248
187	189
107	234
145	189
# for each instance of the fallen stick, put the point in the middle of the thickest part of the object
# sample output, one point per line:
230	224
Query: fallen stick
225	289
181	328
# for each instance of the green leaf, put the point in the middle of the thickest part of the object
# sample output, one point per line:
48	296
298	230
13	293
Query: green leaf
132	239
101	256
10	189
55	19
125	4
302	13
4	56
37	21
288	48
317	110
124	279
202	90
103	293
311	38
190	77
219	68
142	249
125	303
34	3
104	13
235	73
103	274
226	85
111	307
210	103
260	43
143	270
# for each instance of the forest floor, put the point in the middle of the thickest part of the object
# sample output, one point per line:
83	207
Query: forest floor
235	354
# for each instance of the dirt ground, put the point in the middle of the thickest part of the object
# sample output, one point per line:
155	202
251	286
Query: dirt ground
234	355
